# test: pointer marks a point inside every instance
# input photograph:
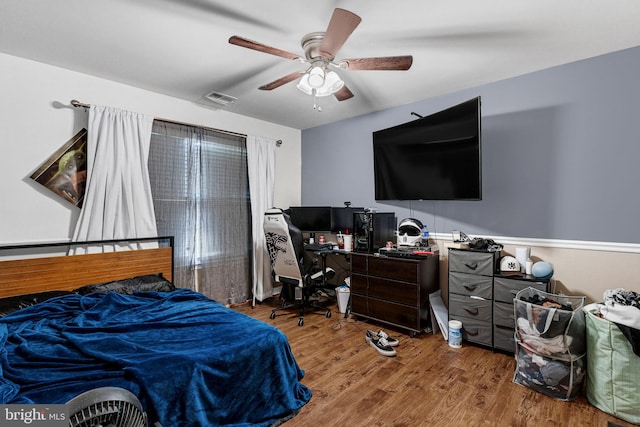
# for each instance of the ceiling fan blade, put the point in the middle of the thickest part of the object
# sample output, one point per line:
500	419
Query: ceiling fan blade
250	44
343	94
281	81
340	27
382	63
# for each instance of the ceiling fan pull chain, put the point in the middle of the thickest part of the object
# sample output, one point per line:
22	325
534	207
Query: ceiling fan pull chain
316	103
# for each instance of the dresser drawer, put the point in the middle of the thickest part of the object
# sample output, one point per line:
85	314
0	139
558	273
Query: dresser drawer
359	284
472	262
393	268
389	312
506	289
471	284
503	338
359	304
358	263
393	291
503	314
476	331
460	305
396	314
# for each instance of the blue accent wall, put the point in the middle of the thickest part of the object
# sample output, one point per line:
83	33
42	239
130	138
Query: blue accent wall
560	156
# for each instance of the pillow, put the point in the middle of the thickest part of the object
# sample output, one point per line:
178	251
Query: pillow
10	304
146	283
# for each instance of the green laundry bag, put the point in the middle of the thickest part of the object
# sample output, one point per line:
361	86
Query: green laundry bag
613	369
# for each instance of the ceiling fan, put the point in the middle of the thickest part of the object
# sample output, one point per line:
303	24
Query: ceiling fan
320	49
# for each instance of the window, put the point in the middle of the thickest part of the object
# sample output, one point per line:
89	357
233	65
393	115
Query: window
200	192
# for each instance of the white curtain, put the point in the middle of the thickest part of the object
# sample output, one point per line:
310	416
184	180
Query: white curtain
118	202
261	160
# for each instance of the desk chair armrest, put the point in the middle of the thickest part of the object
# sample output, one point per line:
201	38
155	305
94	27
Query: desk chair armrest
289	281
329	272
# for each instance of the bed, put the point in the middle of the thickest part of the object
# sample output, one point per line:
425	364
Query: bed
73	323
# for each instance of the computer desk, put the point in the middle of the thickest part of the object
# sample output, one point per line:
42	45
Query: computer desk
323	253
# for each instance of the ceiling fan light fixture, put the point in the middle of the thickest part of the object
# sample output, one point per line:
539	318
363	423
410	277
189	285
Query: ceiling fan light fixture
333	82
316	77
330	85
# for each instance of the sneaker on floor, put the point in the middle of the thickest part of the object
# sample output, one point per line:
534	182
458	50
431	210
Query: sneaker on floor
392	342
381	345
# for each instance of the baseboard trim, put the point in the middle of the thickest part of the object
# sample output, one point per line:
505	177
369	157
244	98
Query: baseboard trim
554	243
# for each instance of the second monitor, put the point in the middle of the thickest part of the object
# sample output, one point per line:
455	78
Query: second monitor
323	219
311	219
342	219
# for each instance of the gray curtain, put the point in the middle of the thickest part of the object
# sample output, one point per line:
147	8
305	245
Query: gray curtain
200	193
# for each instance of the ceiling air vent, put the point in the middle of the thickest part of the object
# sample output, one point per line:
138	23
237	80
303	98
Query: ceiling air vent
220	100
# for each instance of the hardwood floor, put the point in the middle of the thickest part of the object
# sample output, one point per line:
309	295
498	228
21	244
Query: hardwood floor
428	383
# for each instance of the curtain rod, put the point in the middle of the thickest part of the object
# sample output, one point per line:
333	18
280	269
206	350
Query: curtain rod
78	104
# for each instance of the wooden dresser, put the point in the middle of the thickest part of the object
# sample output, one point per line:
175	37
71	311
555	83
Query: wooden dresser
393	290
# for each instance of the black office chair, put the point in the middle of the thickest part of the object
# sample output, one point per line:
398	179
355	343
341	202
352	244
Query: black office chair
292	265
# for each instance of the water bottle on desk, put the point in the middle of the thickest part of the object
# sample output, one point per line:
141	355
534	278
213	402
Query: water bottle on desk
425	234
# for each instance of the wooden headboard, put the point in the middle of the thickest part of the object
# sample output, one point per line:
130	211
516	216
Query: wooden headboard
69	272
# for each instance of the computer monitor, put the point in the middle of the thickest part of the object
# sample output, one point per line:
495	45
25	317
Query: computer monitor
311	219
342	219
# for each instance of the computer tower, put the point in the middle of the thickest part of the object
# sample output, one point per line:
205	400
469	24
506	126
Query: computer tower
372	230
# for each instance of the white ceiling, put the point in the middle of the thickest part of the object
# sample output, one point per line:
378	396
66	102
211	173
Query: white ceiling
180	47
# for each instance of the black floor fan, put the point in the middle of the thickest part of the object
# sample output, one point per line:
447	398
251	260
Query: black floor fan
106	407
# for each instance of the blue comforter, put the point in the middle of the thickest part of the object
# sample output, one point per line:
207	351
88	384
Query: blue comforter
191	361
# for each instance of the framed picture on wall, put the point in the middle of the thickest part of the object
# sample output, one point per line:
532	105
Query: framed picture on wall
65	172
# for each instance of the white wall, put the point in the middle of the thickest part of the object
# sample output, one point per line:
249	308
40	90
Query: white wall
36	119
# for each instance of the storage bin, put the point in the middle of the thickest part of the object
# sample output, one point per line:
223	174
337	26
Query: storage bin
558	378
613	369
473	262
476	331
549	324
470	284
464	306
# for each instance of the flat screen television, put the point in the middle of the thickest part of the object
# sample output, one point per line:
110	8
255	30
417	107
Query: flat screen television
311	219
436	157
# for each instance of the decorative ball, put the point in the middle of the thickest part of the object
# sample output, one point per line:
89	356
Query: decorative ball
542	270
